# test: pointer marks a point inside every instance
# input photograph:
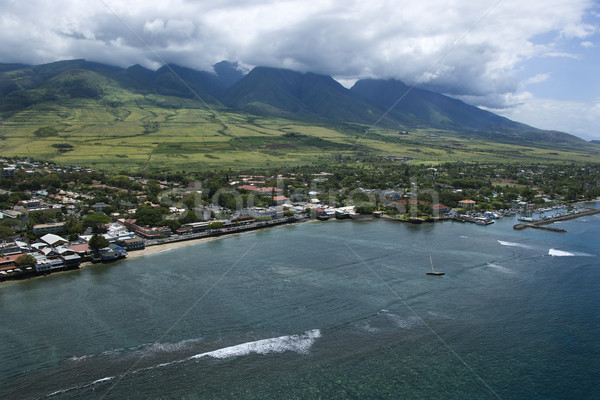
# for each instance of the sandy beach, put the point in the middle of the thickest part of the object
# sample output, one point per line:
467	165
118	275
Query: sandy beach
159	248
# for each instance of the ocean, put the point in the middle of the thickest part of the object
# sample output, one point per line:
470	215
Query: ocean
324	310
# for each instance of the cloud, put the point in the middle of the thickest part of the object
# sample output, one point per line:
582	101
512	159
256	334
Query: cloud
476	50
576	117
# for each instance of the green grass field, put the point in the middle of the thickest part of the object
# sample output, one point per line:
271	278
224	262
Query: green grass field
134	132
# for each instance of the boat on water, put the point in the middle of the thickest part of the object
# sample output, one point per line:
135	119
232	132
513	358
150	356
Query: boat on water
435	273
483	221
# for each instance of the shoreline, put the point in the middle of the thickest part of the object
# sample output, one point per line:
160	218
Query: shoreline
164	247
148	251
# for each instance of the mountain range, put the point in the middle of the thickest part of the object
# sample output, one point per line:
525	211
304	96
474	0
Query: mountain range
269	91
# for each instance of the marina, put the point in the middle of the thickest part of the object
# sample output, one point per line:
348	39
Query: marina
541	223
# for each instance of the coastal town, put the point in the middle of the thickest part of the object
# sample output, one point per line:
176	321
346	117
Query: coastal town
56	218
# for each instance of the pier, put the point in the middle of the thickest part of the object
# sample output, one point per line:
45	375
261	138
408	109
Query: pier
541	223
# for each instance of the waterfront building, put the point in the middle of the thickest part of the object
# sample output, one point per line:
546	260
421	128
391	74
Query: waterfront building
42	229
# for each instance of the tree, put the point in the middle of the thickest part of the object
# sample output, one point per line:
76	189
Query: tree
97	222
98	242
25	260
6	232
147	215
215	225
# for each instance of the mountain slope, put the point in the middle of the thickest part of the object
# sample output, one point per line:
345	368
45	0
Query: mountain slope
266	91
298	95
422	107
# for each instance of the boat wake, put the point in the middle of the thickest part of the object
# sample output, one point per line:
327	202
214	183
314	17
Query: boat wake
512	244
297	343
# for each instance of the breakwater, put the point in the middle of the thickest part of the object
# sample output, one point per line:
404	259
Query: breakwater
541	224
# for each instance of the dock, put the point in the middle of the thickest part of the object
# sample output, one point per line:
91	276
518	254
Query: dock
565	217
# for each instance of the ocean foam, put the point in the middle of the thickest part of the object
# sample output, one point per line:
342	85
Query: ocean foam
500	268
559	253
298	343
370	329
405	323
97	381
108	378
512	244
144	350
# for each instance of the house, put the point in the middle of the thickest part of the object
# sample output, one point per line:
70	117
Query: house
82	250
98	207
8	172
467	203
440	208
280	199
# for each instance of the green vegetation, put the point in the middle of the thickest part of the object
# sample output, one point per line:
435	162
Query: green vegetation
98	242
25	260
192	139
97	222
215	225
137	121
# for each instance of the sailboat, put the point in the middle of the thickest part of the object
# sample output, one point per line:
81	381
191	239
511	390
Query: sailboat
432	271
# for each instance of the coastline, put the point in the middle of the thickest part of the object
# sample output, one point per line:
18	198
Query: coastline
148	251
160	248
164	247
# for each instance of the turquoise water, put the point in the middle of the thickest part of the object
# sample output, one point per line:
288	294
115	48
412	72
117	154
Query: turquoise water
338	309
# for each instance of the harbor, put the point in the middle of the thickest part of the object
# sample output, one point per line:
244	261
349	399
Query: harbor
543	221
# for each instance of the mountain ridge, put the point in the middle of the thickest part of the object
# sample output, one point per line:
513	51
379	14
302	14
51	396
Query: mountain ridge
270	91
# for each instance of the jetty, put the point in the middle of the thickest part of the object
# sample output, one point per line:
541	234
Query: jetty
541	224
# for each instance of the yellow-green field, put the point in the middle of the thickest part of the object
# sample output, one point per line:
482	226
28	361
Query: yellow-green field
136	132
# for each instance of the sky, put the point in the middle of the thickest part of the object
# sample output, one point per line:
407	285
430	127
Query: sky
533	61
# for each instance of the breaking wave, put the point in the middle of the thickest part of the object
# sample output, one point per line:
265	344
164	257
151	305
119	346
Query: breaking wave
559	253
512	244
297	343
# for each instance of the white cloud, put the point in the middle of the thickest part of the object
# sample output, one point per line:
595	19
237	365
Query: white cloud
473	49
539	78
587	44
578	118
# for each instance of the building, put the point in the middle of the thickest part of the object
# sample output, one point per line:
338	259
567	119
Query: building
146	232
42	229
99	207
441	209
53	240
196	227
82	250
133	244
9	248
467	203
8	172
